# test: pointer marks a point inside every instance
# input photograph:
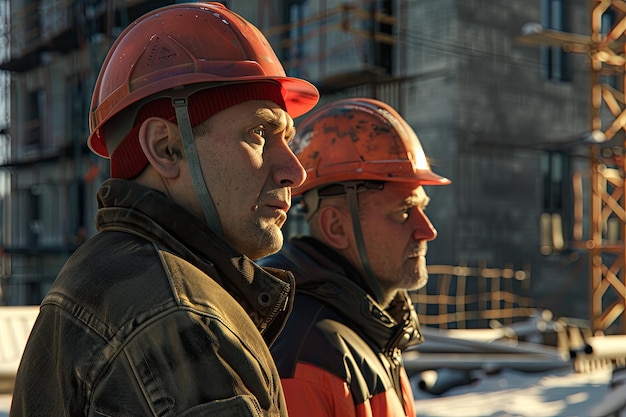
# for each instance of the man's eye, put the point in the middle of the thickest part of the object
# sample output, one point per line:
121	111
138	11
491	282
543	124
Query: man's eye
402	215
259	131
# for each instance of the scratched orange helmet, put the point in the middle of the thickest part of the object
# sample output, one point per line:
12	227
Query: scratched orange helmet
182	45
360	139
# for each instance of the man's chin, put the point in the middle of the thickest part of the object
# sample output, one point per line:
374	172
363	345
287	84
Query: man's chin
270	243
421	283
421	275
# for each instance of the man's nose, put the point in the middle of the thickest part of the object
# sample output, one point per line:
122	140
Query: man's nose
289	172
424	229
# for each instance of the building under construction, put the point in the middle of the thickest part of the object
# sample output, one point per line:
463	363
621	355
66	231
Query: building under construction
509	122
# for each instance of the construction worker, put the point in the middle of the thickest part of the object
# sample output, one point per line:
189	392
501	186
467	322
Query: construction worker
164	312
340	352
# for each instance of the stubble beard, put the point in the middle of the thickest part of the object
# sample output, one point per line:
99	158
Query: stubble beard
270	238
421	272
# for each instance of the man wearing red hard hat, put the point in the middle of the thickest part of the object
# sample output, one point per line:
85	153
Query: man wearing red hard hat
164	311
340	353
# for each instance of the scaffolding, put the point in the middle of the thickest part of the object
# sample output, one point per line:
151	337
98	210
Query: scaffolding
608	289
605	47
346	44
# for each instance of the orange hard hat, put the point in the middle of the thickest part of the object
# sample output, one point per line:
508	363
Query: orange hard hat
360	139
181	45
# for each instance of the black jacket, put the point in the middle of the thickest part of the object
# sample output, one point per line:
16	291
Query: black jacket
340	353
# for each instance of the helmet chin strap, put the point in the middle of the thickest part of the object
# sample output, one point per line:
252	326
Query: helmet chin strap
353	202
202	192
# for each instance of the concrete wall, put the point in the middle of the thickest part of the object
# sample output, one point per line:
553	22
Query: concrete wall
480	103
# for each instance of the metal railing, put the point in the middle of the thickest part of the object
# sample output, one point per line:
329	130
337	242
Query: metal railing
462	297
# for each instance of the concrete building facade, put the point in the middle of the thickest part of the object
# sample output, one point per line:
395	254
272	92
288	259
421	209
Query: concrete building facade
491	113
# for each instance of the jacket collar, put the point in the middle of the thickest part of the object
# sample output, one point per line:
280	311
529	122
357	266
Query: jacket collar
265	294
325	275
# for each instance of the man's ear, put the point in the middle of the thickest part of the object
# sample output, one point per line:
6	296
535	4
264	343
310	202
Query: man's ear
159	141
333	224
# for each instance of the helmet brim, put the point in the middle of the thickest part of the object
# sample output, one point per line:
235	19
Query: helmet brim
420	177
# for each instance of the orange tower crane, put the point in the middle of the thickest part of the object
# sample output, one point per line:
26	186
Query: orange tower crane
605	48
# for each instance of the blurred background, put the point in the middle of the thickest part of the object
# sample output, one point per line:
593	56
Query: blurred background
518	102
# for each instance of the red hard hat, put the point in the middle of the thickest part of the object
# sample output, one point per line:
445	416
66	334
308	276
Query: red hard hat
360	139
186	44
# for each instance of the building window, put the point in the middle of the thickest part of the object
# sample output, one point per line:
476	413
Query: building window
382	51
35	114
607	23
556	62
34	221
554	220
78	109
294	38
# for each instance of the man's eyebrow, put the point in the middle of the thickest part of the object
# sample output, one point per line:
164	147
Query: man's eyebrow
417	201
277	121
269	116
290	133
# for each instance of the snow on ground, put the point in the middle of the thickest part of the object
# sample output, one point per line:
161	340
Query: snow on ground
555	393
5	404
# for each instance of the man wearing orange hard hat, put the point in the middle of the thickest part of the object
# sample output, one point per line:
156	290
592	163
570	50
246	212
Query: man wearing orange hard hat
164	311
340	353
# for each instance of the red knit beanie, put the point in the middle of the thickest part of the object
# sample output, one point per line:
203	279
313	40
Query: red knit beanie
128	159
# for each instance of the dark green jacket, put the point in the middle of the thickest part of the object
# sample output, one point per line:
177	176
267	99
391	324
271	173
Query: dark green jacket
154	316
